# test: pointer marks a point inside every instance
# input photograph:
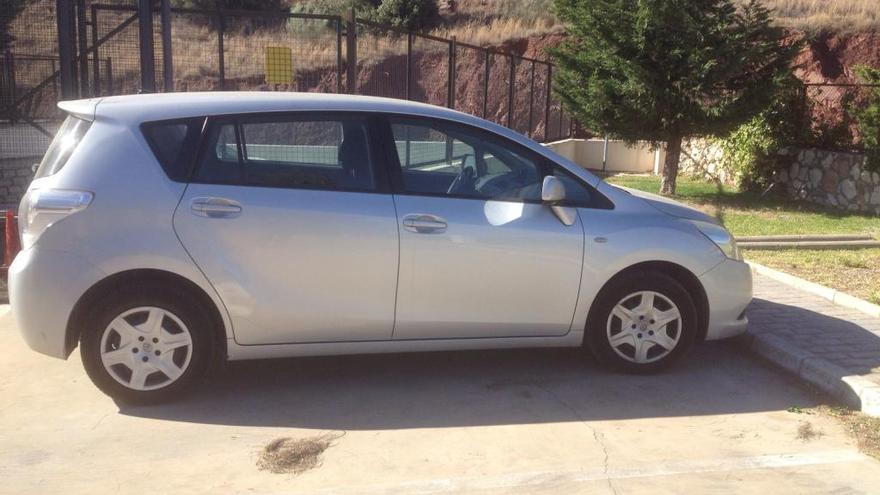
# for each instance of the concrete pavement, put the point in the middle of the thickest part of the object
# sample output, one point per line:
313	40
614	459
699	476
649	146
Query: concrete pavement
525	421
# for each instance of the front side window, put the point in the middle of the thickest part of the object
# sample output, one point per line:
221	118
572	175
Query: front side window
295	153
440	159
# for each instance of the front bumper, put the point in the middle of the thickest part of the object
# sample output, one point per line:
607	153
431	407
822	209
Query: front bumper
44	285
729	291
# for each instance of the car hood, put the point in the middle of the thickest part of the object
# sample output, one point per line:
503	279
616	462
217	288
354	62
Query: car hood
671	207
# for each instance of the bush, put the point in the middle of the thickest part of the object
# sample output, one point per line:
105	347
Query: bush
868	116
408	14
756	150
233	4
335	7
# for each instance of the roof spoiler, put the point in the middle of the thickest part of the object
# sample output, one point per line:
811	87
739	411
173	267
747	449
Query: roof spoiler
83	109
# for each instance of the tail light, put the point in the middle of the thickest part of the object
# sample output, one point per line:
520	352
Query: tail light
41	208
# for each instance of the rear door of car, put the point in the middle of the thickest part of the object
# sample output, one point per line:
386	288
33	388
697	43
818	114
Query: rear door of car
290	218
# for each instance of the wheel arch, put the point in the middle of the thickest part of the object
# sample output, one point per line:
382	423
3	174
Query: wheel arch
681	275
109	284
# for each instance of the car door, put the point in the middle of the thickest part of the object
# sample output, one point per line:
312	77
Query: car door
291	220
480	255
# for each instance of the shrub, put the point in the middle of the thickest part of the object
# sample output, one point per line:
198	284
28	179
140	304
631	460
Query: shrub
756	150
868	117
233	4
335	7
408	14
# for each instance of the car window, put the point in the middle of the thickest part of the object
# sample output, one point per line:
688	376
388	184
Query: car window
440	159
296	153
174	143
65	141
576	192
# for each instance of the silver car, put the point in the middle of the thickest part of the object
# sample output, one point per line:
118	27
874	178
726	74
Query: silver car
164	234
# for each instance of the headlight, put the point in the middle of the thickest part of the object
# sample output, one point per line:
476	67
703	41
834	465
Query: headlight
40	208
721	237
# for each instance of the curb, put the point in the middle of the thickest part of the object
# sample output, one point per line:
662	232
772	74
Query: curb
835	296
853	390
808	244
805	237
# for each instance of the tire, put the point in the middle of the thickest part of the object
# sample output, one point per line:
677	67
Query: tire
165	359
626	329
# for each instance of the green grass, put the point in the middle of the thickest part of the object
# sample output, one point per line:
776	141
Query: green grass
746	214
854	271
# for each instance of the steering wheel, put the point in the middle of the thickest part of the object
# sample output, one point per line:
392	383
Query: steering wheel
466	180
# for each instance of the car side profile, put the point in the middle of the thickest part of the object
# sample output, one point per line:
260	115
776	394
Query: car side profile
163	234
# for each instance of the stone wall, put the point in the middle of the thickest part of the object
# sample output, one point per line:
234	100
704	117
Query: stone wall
833	179
701	157
15	175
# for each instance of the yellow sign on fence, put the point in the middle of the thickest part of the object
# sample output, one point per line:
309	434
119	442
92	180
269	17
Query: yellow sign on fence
279	65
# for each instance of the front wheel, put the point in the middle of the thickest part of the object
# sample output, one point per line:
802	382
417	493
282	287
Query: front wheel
642	324
147	344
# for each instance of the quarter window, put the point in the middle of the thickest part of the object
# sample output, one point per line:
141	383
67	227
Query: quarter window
295	153
174	143
65	141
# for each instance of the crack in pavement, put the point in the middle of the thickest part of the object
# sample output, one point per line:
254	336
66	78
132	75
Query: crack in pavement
597	435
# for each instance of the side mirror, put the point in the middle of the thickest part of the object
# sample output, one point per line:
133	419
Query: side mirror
553	193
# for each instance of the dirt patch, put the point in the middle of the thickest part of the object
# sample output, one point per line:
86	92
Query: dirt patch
807	432
861	427
295	455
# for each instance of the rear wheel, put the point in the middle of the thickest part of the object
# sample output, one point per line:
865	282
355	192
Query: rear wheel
147	344
642	324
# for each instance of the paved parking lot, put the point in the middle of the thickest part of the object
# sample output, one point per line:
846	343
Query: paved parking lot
546	421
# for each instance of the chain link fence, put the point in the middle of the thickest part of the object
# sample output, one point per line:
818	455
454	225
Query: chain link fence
831	113
213	50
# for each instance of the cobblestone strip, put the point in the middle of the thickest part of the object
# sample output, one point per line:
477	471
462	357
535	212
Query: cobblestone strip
834	348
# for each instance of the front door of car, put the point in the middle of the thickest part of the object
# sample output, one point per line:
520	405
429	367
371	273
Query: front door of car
291	223
480	256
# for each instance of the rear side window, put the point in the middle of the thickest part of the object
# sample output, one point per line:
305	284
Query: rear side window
68	137
295	152
174	142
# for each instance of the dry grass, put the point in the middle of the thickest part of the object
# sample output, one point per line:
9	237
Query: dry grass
842	16
294	456
811	16
861	427
807	432
498	30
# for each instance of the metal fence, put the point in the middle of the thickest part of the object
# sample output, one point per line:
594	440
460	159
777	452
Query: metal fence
110	50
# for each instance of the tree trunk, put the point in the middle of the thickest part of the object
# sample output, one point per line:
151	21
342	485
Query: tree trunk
670	165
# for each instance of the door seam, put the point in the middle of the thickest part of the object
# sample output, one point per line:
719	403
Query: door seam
199	268
397	279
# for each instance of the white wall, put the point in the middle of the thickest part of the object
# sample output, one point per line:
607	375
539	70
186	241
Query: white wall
621	157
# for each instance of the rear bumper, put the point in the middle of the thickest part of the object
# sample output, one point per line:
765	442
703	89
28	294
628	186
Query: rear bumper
729	291
44	285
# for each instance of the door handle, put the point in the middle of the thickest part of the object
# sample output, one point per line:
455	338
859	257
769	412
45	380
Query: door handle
215	207
424	224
